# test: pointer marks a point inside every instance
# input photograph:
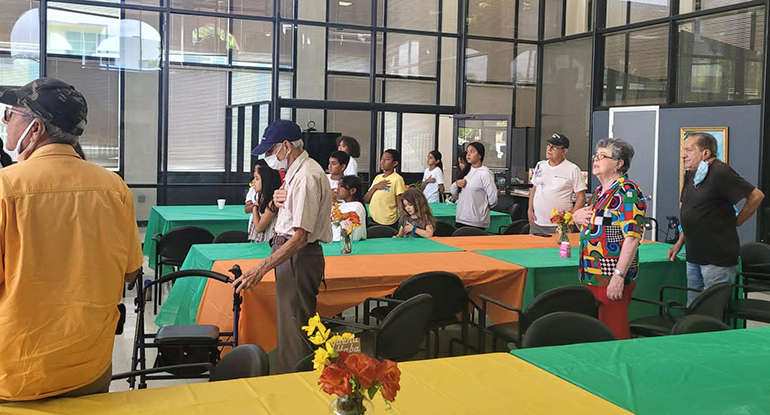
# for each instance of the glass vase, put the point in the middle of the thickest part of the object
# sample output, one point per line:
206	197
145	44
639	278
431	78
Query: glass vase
346	244
563	232
353	404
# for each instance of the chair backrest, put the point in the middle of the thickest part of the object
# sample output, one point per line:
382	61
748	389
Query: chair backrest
443	229
235	236
698	324
524	230
515	227
515	210
576	299
380	231
244	361
468	231
712	301
176	243
447	290
403	329
304	365
755	258
563	327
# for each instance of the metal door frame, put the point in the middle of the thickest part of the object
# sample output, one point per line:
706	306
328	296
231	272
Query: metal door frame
457	118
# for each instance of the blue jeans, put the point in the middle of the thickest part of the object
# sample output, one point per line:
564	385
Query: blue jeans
704	276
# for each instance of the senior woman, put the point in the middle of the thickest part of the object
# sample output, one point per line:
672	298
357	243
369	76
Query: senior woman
611	229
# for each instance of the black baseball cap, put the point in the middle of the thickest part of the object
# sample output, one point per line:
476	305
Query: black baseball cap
51	100
277	132
559	140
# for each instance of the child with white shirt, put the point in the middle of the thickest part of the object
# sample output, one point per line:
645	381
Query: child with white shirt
476	192
351	192
433	178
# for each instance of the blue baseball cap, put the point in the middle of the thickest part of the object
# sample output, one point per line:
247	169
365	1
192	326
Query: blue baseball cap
277	132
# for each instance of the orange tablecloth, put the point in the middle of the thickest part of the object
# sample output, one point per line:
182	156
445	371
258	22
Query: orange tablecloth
491	242
350	280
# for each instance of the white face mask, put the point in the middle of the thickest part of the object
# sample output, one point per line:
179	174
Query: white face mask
17	151
275	164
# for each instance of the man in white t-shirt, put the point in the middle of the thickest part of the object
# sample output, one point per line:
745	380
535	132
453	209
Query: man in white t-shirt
555	181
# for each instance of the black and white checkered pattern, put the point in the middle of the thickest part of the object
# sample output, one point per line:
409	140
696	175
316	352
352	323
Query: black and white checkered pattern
608	265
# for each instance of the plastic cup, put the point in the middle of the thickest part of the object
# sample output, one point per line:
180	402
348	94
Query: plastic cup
221	203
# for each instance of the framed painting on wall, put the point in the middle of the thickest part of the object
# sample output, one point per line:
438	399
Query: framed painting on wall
720	133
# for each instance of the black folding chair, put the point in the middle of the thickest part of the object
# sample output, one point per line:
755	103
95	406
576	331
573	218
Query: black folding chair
232	237
514	228
181	345
712	302
563	328
171	249
443	229
469	231
244	361
380	231
695	323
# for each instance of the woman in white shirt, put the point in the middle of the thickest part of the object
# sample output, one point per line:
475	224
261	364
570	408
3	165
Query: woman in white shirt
476	193
350	145
433	178
351	191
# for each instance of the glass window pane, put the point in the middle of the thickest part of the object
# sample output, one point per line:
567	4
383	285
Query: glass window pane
528	19
449	16
491	18
250	87
418	138
358	12
350	50
578	21
287	9
250	7
100	88
140	126
525	106
410	92
618	12
526	81
252	43
410	55
554	10
488	99
356	124
448	70
567	96
196	141
413	14
311	57
20	30
721	57
636	67
199	39
311	10
348	88
390	134
688	6
487	61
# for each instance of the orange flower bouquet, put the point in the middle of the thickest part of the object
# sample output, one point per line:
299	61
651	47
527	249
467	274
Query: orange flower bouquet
346	222
353	377
563	220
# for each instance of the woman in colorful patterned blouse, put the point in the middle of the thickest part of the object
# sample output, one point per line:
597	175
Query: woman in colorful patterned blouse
611	229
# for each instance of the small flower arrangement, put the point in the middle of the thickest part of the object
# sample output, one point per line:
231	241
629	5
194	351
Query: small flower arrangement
346	222
350	376
563	220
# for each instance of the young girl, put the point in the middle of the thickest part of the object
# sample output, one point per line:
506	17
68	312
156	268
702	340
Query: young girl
476	192
433	178
384	196
418	219
350	191
266	181
350	145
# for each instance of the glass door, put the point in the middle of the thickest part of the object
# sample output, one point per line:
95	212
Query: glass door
494	133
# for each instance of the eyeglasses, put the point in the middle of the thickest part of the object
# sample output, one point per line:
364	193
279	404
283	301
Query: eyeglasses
551	146
600	156
9	111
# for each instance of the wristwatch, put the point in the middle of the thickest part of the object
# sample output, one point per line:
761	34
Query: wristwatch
618	272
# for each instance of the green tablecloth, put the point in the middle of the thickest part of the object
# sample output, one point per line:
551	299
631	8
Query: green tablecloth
163	218
545	270
181	306
707	373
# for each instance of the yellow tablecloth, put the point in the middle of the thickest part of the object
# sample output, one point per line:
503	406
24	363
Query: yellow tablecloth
479	384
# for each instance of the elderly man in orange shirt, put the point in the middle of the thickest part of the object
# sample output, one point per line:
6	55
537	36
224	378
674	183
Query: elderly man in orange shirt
68	242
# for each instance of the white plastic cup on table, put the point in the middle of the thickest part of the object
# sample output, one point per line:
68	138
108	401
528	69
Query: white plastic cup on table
221	203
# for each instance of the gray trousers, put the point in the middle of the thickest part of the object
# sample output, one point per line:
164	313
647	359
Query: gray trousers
296	281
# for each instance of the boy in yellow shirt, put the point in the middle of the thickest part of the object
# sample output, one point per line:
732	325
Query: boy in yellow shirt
384	196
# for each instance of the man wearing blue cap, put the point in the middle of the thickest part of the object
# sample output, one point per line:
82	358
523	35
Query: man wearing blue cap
304	202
